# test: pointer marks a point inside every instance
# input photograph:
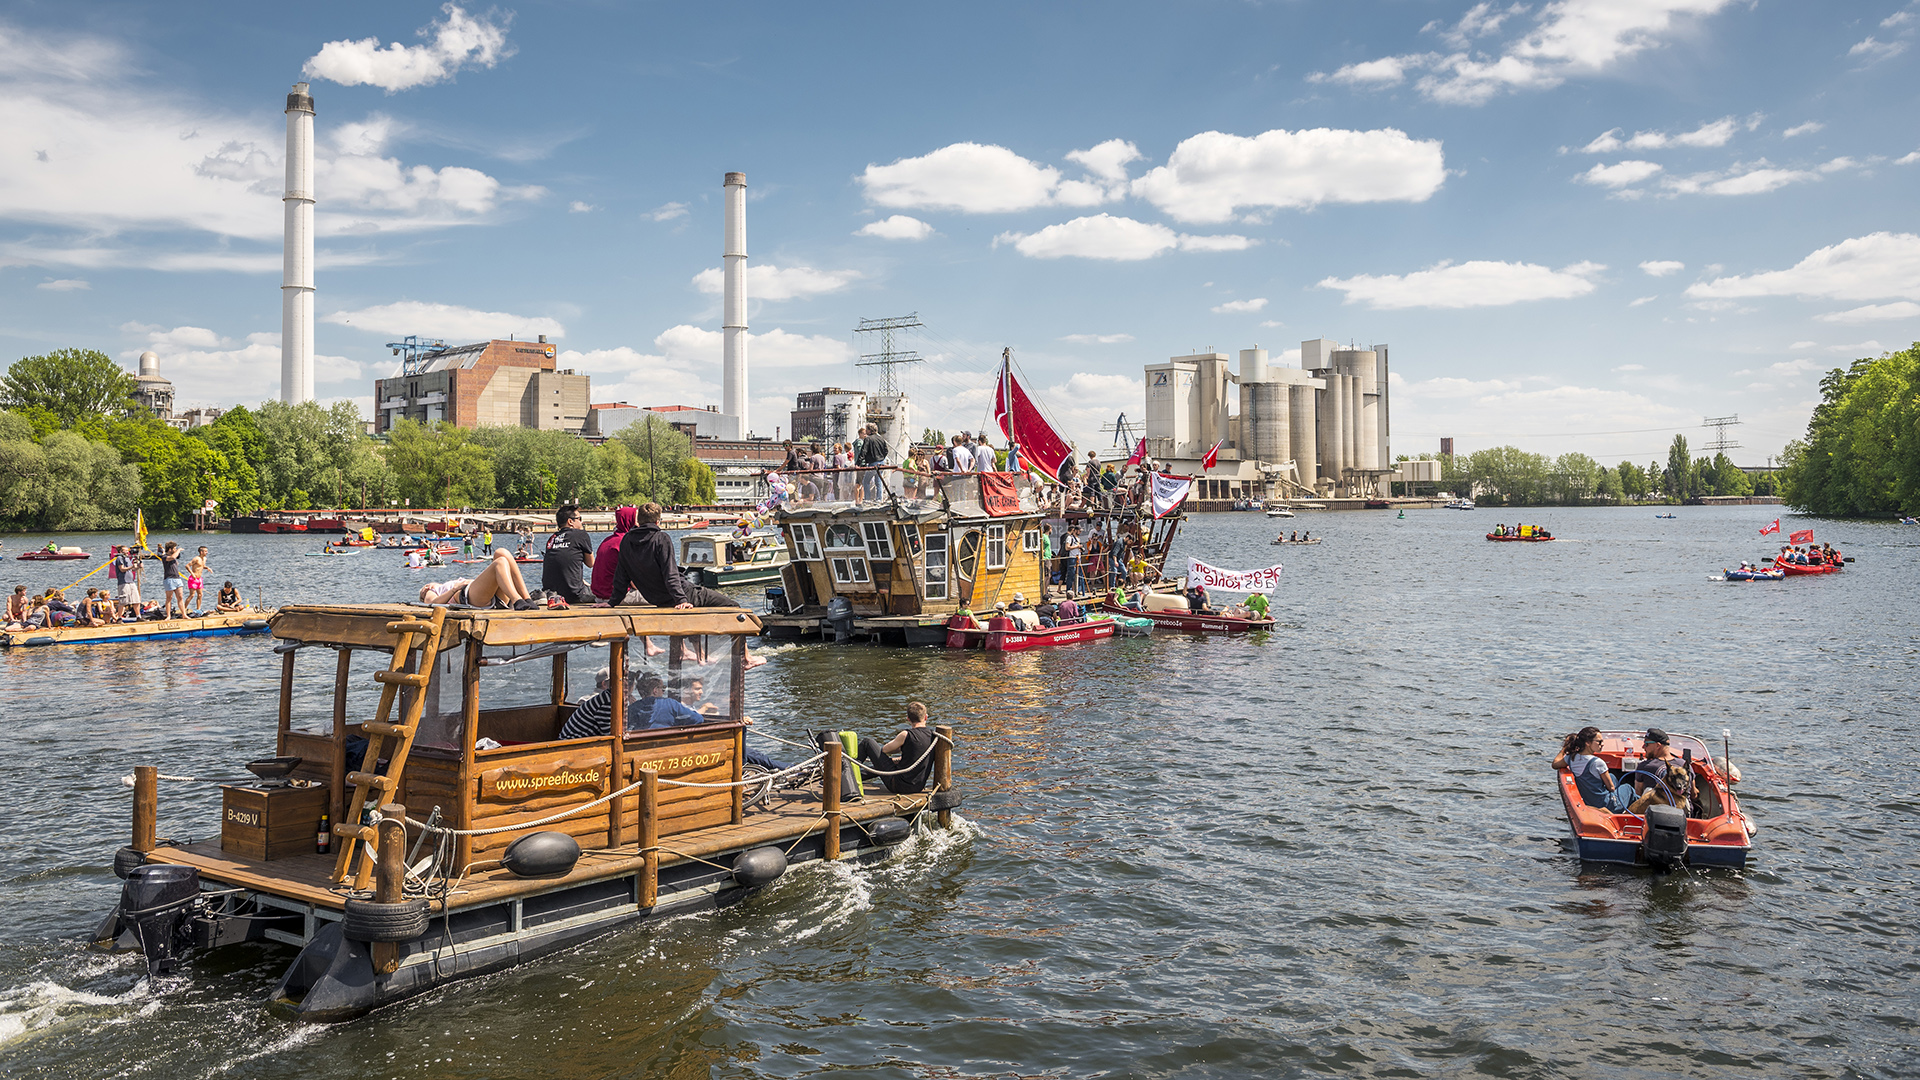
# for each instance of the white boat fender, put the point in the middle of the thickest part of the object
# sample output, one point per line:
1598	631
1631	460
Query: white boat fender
254	624
759	866
1665	842
541	854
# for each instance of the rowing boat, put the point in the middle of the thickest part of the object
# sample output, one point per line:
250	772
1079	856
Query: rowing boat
1003	634
1192	622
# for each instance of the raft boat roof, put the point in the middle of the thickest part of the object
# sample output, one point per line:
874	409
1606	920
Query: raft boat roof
364	626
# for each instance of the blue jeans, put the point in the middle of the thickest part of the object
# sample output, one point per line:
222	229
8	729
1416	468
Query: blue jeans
755	757
1617	799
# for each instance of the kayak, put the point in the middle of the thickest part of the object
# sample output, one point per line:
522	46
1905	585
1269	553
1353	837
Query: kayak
1804	570
1293	541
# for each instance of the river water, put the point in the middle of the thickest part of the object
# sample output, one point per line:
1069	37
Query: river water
1332	849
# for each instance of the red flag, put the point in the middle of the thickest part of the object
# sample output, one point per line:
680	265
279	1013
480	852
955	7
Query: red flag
1212	457
1804	536
1139	453
1773	528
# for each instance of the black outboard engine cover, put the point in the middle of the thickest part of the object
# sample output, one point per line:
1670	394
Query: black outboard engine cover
154	901
840	615
1665	844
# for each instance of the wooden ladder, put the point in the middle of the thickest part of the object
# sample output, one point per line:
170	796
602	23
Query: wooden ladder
373	787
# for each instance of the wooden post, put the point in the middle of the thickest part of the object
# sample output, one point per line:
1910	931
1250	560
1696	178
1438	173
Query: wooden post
650	837
943	769
830	796
337	768
469	734
389	882
286	701
616	731
146	806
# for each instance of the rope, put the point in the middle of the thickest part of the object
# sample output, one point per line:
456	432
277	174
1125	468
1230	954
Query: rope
937	739
89	574
127	780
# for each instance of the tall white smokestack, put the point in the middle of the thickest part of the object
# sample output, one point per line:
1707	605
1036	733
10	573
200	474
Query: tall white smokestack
296	283
734	303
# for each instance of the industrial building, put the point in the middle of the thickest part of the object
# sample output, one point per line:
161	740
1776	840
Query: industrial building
834	415
1317	430
489	383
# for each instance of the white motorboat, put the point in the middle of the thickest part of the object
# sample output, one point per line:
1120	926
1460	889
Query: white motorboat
1460	504
1279	511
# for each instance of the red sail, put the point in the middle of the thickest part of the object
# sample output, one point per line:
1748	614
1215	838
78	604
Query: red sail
1041	448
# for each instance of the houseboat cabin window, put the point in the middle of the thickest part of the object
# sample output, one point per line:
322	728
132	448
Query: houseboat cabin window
315	669
996	547
806	543
879	542
936	565
697	553
843	537
967	561
849	570
443	719
1030	540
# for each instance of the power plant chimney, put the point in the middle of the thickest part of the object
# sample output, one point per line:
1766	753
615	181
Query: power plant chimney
296	282
734	304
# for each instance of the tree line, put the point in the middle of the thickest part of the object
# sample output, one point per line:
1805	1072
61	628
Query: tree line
1508	476
77	452
1861	455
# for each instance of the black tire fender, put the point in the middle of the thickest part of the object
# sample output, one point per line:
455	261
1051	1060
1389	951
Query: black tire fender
370	920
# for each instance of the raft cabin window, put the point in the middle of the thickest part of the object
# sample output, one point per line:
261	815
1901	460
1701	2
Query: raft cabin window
968	559
936	587
849	571
806	543
844	537
1030	540
879	542
996	547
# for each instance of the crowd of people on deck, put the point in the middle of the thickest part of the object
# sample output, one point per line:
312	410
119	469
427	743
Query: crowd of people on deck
183	582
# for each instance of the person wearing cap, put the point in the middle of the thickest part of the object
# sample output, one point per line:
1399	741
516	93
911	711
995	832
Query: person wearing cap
1659	777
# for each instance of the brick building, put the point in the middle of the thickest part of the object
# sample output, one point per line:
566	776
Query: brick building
489	383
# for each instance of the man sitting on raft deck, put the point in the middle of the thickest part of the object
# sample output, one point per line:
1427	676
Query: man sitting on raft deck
914	745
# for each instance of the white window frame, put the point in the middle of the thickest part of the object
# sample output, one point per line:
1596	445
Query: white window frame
936	570
995	543
879	537
1030	540
806	542
849	570
828	544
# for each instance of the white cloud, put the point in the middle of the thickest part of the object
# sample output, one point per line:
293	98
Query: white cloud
1899	309
1839	164
63	285
1098	339
1662	267
1122	239
769	282
1568	38
1908	159
1873	267
1481	20
1798	130
1640	300
1495	412
578	207
1478	283
1620	175
456	41
207	368
897	227
1237	307
1862	348
1898	18
1875	51
667	212
979	179
449	321
1212	175
1714	133
1743	179
1631	367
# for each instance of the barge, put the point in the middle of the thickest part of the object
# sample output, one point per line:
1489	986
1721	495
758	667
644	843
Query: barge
249	621
423	748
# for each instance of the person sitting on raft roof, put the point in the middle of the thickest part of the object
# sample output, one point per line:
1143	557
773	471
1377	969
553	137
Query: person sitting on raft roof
914	745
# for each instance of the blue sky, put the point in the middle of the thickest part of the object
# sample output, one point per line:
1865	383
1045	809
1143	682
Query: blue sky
1581	224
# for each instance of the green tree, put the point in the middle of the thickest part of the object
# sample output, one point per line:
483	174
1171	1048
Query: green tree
1680	470
306	448
701	490
439	465
664	454
1578	477
1609	487
67	385
1862	450
933	437
535	468
1512	476
1633	480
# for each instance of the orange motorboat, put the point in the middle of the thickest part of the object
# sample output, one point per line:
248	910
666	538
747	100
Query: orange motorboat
1711	830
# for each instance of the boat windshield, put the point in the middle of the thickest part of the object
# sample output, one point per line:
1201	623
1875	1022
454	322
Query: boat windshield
696	552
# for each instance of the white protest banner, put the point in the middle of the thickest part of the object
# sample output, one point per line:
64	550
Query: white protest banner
1199	573
1169	492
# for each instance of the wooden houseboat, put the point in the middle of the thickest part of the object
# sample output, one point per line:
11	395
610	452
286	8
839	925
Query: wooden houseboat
466	833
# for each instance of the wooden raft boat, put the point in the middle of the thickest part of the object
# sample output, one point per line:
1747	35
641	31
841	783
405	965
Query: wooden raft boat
531	843
1520	539
1716	832
238	622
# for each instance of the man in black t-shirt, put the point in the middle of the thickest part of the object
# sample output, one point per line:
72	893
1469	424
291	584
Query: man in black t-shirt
914	745
569	552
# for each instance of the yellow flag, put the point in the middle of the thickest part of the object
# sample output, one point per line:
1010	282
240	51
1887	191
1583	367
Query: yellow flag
139	529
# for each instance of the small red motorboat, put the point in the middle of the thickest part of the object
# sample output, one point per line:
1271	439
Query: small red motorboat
1793	569
1710	831
43	555
1192	621
1520	539
1003	634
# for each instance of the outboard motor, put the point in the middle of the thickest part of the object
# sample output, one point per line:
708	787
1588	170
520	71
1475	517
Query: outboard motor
154	902
840	617
1665	842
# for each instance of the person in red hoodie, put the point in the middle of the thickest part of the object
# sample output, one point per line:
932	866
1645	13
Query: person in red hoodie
609	553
